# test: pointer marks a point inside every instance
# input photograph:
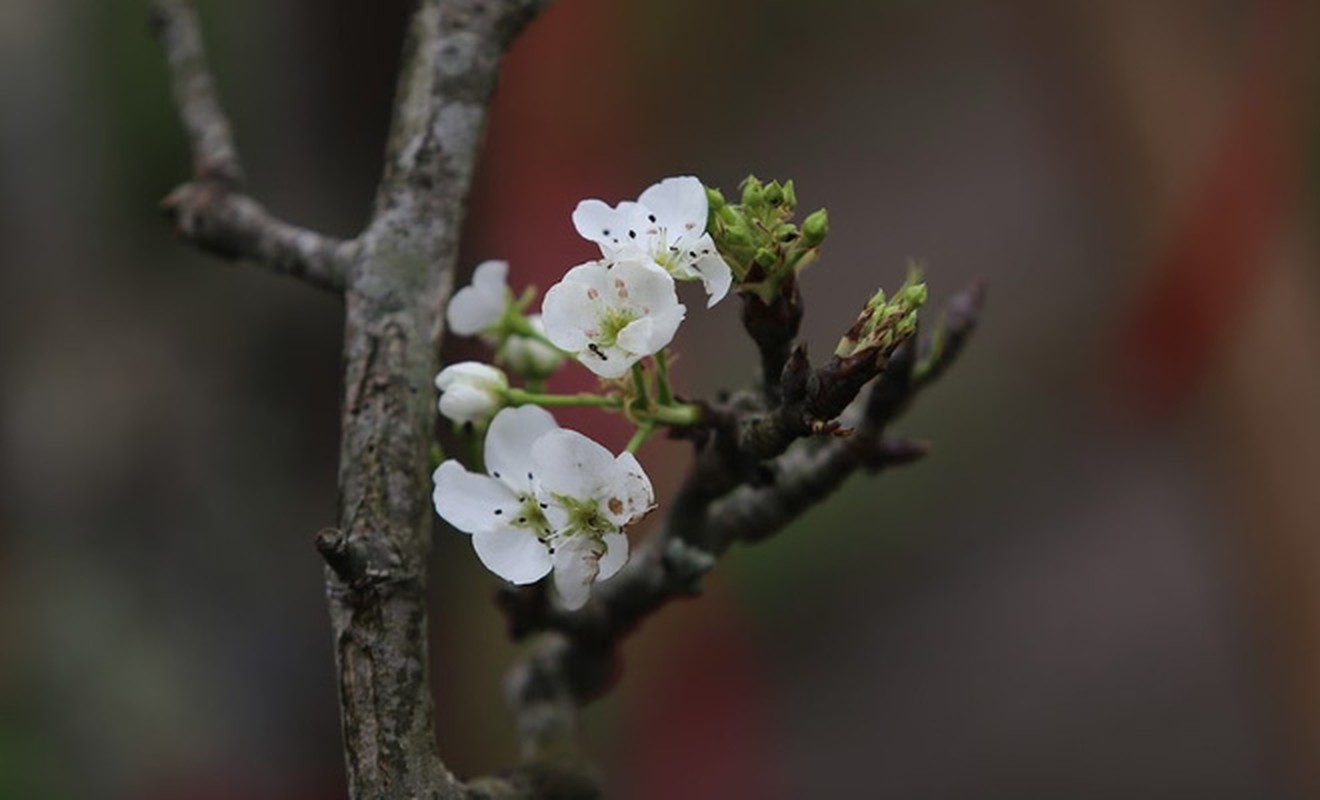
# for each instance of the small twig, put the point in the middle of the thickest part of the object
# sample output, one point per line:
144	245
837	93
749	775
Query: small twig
233	225
705	519
211	210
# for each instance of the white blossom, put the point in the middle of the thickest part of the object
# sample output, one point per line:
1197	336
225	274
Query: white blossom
553	500
589	496
612	314
666	224
479	306
471	391
528	356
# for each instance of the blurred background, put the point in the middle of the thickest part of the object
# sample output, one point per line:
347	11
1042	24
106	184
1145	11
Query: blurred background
1102	583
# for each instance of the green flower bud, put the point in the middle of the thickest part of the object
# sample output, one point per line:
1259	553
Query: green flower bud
751	191
765	258
773	194
877	301
915	294
885	322
790	195
815	227
715	198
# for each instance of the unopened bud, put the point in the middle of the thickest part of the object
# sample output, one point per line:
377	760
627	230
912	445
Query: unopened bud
765	258
915	295
715	199
774	193
751	191
815	227
471	392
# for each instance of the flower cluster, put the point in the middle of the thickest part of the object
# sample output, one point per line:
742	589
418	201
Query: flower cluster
554	500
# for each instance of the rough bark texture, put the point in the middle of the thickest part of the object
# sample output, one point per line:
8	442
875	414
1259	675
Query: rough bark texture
396	277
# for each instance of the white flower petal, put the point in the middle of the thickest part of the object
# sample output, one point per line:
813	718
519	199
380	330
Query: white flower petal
679	205
616	555
469	501
664	326
477	307
471	391
577	563
464	403
637	335
648	284
715	274
608	362
570	464
471	372
491	277
628	495
509	442
616	230
572	306
514	554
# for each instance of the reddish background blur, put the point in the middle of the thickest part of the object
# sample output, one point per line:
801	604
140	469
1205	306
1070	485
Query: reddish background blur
1103	583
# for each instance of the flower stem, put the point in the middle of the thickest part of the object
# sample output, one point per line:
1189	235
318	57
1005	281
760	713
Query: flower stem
681	414
518	324
643	433
643	398
678	414
523	397
663	394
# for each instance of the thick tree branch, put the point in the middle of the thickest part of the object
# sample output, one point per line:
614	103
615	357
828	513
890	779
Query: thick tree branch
399	283
396	277
211	210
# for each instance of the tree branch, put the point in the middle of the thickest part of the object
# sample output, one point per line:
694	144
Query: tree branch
396	277
210	210
703	522
399	285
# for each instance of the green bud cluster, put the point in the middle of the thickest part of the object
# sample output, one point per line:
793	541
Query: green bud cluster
757	238
885	321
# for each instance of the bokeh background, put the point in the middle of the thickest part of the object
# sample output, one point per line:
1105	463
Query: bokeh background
1104	582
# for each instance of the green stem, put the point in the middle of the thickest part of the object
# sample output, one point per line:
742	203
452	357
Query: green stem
522	397
518	324
639	384
680	415
643	433
663	394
